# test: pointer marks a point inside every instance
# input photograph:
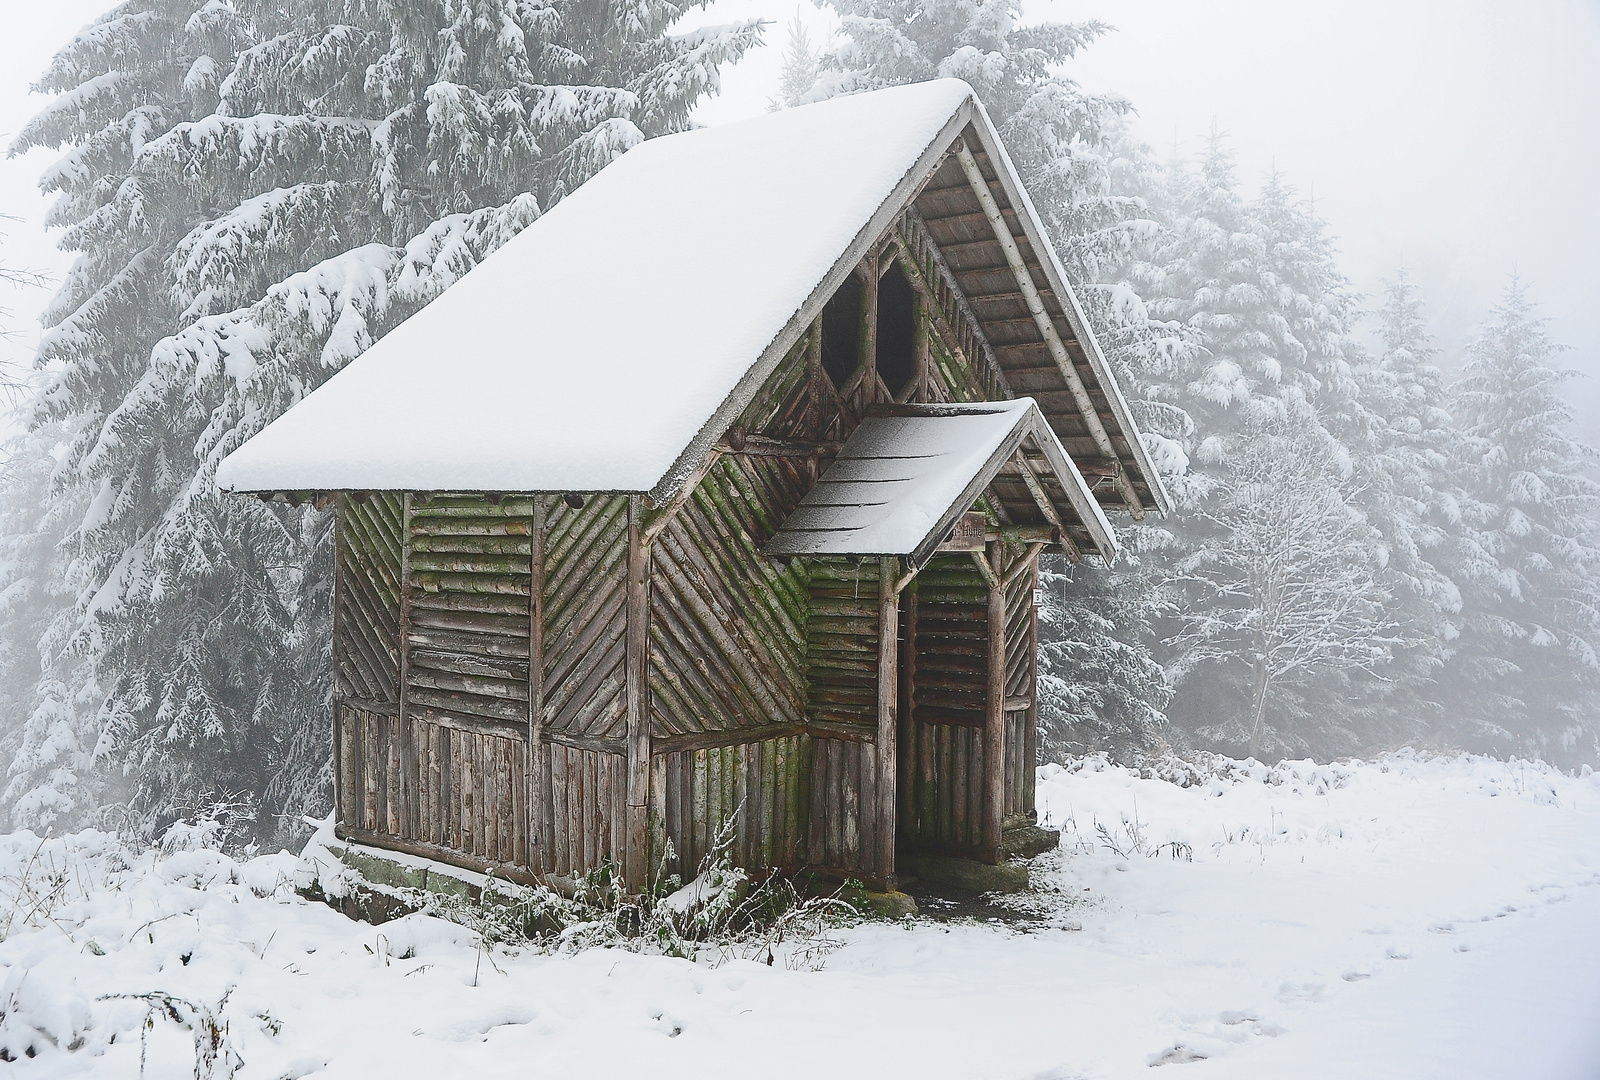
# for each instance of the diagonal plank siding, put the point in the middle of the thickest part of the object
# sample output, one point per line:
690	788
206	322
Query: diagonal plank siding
366	641
585	617
727	625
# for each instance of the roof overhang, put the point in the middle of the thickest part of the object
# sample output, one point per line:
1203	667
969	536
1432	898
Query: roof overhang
909	473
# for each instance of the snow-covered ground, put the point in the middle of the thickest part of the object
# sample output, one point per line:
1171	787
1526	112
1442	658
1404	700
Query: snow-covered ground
1404	918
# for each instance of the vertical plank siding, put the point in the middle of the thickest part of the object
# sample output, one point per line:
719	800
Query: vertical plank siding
582	806
421	781
761	787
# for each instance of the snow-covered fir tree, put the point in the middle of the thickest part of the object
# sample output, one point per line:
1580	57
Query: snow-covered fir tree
1524	675
1405	451
1254	278
259	189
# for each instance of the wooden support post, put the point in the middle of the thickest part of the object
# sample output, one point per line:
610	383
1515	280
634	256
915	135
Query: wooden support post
402	717
339	647
1043	320
636	857
1030	731
994	716
537	844
888	702
908	697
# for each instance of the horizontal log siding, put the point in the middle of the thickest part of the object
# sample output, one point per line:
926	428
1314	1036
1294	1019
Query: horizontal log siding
585	618
760	789
366	639
727	632
942	763
469	575
952	642
425	782
842	644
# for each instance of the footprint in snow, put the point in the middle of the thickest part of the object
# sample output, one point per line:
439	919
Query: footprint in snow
1355	975
1398	952
1174	1055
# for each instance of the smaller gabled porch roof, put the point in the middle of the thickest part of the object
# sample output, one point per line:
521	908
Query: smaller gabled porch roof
908	473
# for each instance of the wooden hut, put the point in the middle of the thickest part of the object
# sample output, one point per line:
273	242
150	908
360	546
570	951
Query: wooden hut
717	495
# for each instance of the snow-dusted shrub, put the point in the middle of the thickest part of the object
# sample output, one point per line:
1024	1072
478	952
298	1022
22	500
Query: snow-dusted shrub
721	914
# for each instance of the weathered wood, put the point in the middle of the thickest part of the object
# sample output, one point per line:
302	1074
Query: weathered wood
994	712
968	534
1043	319
1030	746
636	852
888	724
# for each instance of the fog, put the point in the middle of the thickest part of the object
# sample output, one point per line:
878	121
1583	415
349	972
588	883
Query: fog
1458	139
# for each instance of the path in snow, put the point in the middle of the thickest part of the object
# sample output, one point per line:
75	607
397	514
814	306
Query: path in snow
1409	918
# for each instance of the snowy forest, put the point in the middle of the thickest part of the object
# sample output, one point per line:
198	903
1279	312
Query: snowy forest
1375	544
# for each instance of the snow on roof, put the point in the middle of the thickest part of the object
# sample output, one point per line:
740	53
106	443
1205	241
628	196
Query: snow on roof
590	351
901	480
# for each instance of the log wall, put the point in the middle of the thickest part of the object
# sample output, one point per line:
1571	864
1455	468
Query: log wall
499	630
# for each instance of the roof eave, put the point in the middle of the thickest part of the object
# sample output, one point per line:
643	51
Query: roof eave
1056	274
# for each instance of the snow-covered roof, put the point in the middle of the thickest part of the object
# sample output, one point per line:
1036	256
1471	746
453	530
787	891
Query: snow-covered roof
612	343
904	477
589	351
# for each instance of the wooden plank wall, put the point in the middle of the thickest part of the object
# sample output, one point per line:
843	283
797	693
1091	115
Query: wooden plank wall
762	787
727	625
467	609
844	784
582	809
429	784
1022	653
842	645
942	753
366	637
586	622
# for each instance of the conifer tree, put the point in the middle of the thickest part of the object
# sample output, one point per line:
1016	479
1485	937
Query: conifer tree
1525	672
261	189
1255	280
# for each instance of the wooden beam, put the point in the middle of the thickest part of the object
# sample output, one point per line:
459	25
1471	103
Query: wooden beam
662	517
1030	730
1021	566
1046	507
339	646
994	714
888	726
1042	318
536	752
948	335
990	578
636	856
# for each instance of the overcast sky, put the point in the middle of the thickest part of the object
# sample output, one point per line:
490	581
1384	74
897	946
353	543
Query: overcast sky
1458	138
